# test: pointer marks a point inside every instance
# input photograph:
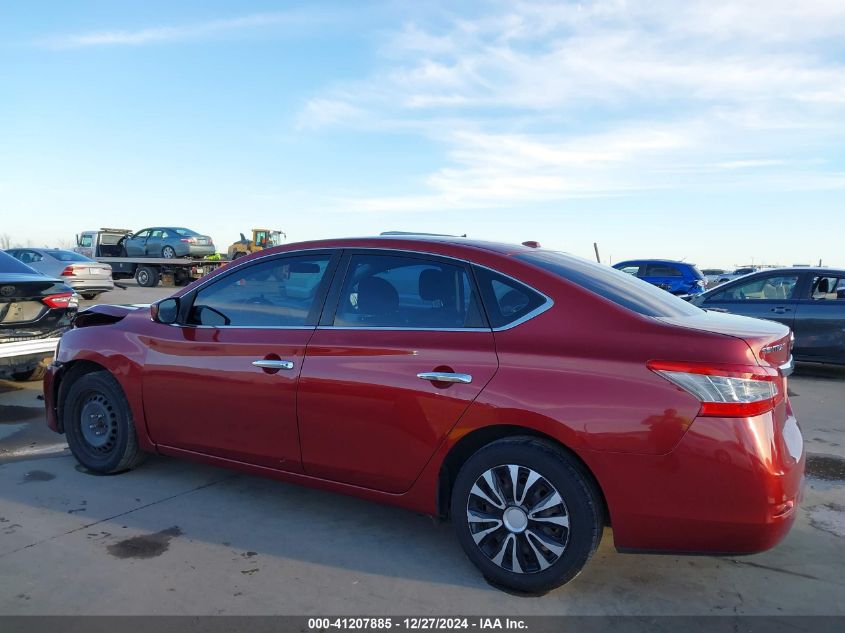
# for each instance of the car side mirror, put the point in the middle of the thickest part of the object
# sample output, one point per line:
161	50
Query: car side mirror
165	311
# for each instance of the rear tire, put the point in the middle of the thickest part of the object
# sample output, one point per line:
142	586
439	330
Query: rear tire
98	424
90	296
551	541
168	253
147	276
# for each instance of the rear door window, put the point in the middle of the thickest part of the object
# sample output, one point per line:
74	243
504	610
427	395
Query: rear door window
9	264
407	292
828	288
661	270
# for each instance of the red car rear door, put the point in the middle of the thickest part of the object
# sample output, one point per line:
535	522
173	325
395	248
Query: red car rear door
224	382
392	369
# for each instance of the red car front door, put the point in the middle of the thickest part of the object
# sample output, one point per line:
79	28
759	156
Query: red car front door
224	382
392	370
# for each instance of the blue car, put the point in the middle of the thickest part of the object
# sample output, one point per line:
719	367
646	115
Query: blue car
679	278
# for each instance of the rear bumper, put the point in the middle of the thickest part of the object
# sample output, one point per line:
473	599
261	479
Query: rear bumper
16	349
201	251
92	285
23	356
731	486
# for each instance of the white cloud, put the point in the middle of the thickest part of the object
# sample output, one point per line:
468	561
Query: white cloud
157	34
543	101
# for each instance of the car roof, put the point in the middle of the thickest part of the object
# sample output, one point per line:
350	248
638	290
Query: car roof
656	261
797	269
409	241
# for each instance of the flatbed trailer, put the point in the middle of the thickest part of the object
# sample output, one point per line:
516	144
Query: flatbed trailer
149	271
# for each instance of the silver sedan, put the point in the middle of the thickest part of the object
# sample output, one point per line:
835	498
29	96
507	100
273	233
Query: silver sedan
85	275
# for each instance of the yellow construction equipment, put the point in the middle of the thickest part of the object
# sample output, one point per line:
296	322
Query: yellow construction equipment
261	239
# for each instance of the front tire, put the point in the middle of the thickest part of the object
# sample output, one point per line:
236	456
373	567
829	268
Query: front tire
526	514
98	424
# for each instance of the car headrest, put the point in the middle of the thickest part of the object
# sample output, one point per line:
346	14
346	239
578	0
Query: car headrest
824	286
377	296
437	285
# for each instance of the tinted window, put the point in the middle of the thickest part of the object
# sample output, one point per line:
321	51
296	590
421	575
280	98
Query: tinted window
9	264
614	285
408	292
773	288
506	300
276	293
68	256
661	270
27	257
143	234
827	288
631	270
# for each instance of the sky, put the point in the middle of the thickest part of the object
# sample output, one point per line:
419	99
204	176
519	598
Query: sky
704	131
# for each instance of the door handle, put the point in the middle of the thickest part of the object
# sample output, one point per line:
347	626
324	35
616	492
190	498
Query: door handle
781	310
273	364
441	376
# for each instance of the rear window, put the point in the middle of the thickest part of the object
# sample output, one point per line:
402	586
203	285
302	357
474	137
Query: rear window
185	232
614	285
9	264
68	256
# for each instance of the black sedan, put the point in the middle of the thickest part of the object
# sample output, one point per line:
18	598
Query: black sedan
34	312
809	300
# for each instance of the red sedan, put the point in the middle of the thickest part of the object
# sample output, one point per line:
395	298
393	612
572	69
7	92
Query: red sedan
531	396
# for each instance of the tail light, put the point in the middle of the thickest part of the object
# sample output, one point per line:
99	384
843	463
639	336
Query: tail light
189	240
61	300
68	272
730	391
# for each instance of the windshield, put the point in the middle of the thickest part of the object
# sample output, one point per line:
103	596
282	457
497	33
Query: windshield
9	264
617	286
68	256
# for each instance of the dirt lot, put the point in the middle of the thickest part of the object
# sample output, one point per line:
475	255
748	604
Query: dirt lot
179	538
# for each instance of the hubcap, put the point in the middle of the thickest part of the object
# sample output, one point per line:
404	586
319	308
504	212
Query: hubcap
515	519
518	519
98	423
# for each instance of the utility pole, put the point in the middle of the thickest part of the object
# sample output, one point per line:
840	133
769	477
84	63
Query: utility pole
596	247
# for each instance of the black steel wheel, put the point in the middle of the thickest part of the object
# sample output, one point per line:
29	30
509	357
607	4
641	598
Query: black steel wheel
526	514
98	423
147	276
